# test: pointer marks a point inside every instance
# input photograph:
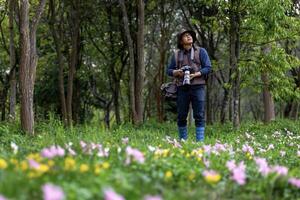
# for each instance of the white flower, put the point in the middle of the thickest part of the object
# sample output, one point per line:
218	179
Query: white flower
151	148
14	147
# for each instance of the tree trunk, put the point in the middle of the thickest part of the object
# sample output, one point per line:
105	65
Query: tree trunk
224	108
75	34
116	102
234	54
27	120
131	62
294	110
12	60
57	42
28	62
140	74
269	108
3	102
159	99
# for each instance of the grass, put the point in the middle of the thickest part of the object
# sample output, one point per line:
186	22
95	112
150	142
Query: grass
175	173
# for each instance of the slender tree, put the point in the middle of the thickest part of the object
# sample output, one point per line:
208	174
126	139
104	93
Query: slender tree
28	62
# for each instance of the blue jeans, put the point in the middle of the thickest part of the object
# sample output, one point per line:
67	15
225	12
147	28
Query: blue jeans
194	94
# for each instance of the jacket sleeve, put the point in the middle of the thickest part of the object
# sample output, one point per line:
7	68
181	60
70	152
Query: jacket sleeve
171	66
205	62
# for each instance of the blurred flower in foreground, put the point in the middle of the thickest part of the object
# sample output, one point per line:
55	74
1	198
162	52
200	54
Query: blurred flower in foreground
295	182
168	174
52	192
52	152
238	171
110	194
70	164
211	176
135	154
3	164
2	197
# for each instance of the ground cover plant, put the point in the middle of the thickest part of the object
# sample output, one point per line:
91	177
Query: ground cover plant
255	162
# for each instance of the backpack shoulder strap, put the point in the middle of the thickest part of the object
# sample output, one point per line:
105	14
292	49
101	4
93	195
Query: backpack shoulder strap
197	57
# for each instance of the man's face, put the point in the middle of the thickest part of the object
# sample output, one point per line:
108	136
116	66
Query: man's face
186	39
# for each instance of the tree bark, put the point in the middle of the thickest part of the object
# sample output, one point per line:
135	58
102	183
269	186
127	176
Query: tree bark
28	62
140	75
12	60
269	108
75	34
224	107
134	115
234	55
57	42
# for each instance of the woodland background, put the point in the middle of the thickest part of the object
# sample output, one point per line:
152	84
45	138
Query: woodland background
104	60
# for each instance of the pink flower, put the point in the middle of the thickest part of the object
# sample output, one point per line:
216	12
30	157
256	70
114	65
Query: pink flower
2	197
298	153
110	194
135	154
206	162
52	192
238	172
52	152
207	149
174	142
33	164
219	147
295	182
248	149
148	197
262	165
280	170
230	165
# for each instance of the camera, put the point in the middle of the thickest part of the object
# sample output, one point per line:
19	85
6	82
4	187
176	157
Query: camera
187	71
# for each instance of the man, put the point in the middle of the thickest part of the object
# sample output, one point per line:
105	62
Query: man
197	61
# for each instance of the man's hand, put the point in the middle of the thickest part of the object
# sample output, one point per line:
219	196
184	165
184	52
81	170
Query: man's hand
178	73
197	74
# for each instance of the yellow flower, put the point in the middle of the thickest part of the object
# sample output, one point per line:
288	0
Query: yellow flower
199	159
34	174
212	178
34	156
69	164
43	168
188	155
166	152
3	164
97	169
84	168
192	176
51	163
168	174
249	156
14	161
106	165
24	165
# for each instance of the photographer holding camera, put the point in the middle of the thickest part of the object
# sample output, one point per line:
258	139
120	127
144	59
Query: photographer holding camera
190	65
